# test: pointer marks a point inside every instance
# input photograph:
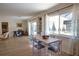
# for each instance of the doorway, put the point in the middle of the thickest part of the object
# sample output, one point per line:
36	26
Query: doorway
4	27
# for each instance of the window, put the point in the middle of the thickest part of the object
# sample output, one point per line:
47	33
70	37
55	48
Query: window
60	23
32	28
53	24
66	24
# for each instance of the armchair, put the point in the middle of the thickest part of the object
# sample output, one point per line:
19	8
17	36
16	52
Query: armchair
4	36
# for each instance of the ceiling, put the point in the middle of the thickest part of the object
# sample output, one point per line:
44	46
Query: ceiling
28	10
24	9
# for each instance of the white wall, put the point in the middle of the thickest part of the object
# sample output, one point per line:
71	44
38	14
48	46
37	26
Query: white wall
11	23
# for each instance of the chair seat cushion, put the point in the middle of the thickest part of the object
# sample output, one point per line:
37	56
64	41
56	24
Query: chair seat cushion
53	48
39	46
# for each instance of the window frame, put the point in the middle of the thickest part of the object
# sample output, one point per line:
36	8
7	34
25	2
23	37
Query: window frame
65	10
71	24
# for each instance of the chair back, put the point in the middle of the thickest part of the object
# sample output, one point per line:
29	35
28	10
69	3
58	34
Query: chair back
55	46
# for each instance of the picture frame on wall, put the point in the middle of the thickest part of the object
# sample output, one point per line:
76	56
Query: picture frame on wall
19	24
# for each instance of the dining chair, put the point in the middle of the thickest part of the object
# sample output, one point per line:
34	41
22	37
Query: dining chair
55	47
39	45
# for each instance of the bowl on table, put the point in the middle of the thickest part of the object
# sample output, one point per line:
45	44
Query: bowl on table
45	36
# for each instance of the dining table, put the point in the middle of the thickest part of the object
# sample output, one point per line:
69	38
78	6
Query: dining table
47	41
